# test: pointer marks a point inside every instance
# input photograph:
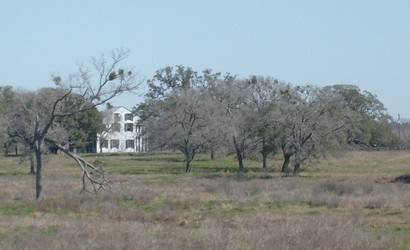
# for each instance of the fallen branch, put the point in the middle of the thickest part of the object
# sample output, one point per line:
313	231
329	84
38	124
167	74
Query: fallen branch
94	175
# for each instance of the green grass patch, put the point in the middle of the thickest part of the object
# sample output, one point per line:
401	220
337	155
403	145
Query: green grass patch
49	231
404	233
141	164
17	209
282	204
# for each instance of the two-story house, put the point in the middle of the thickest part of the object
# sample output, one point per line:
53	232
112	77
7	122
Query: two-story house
122	132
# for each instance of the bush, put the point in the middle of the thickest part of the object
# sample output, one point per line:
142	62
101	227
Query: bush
403	179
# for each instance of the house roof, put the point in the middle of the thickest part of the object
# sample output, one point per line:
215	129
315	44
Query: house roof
114	110
118	109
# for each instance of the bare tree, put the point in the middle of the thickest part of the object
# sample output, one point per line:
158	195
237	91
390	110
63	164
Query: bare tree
180	123
18	121
232	97
108	122
263	120
7	102
179	112
48	106
312	120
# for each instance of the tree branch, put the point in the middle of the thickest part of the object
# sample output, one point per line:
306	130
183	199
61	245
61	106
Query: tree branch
94	175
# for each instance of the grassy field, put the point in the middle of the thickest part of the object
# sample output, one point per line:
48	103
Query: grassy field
350	202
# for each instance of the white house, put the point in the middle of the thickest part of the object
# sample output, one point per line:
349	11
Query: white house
122	133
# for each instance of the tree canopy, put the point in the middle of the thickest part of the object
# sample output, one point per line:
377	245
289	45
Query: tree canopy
259	115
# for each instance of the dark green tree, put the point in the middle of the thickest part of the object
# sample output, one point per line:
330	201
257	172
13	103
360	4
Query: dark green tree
370	125
169	78
82	128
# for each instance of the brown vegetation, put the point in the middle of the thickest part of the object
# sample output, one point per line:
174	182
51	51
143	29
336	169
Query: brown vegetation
346	203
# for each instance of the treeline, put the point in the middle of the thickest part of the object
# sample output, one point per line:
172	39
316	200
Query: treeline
211	112
214	113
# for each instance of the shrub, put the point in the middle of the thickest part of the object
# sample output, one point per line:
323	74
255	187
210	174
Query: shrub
402	179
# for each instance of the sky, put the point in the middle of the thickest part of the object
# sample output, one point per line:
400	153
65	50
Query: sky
360	42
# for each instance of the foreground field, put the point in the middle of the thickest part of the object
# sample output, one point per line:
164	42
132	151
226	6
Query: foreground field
346	203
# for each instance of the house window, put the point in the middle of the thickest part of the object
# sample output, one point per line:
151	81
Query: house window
129	143
115	144
128	117
117	117
116	127
128	127
104	144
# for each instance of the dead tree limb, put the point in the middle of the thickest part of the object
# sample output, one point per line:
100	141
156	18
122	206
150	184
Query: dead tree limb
93	175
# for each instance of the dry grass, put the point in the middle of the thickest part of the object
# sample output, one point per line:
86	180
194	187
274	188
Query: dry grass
347	203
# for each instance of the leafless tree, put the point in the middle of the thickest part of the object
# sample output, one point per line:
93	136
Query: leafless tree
180	112
263	118
180	123
232	97
7	103
104	80
312	120
107	125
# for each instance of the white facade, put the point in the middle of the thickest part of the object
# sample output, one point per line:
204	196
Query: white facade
122	133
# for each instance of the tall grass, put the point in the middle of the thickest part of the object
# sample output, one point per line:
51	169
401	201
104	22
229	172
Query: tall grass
336	204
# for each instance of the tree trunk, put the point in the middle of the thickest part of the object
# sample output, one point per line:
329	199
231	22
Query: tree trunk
39	170
264	160
189	156
6	148
32	164
212	154
264	153
286	161
187	166
296	169
238	155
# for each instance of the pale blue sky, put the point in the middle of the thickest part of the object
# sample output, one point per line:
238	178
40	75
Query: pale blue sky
360	42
